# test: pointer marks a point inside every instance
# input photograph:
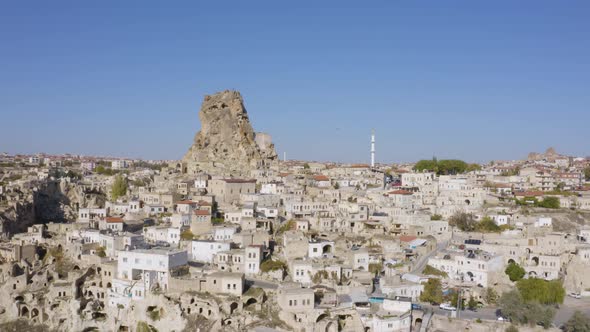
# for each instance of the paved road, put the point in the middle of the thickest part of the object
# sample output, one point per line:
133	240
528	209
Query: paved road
565	311
419	267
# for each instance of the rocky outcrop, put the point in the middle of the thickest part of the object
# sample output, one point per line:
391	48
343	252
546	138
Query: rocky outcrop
550	154
47	201
227	142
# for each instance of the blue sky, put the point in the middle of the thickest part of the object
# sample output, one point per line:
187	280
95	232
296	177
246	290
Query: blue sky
475	80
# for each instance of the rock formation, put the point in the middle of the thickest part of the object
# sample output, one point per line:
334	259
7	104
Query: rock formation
226	143
550	154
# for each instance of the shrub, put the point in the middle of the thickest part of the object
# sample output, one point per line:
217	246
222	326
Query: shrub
271	265
430	270
432	291
515	272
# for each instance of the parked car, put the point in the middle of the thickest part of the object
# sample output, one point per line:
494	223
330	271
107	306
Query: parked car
416	306
500	317
575	295
447	306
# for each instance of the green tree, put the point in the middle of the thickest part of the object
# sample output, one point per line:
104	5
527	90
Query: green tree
432	271
100	169
515	272
436	217
119	187
541	291
451	166
472	303
186	235
587	173
432	291
473	167
578	323
306	166
488	225
519	311
100	252
549	202
426	165
464	221
272	265
490	296
511	304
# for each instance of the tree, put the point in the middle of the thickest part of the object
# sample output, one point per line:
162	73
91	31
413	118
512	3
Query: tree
272	265
490	296
541	291
511	305
488	225
473	167
472	303
432	291
519	311
119	187
100	252
578	323
432	271
587	173
512	328
186	235
306	166
451	166
436	217
426	165
549	203
453	298
336	185
515	272
464	221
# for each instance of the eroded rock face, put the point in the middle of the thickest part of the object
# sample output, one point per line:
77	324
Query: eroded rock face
227	142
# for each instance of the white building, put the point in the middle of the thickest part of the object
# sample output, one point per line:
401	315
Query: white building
157	234
319	248
469	267
543	222
205	251
120	164
140	271
224	233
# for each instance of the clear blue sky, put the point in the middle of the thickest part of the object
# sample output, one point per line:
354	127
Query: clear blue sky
475	80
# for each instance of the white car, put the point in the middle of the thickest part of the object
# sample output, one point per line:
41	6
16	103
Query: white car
575	295
447	306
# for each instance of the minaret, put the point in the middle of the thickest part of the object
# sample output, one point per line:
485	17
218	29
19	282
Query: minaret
372	148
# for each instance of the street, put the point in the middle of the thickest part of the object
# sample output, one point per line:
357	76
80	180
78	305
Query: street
565	311
424	259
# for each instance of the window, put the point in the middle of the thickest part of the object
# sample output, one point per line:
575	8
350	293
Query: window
124	259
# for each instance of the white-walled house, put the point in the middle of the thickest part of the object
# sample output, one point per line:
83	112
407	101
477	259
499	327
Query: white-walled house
224	233
88	214
501	219
544	222
205	251
469	267
158	234
139	271
114	224
318	248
